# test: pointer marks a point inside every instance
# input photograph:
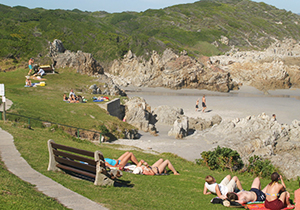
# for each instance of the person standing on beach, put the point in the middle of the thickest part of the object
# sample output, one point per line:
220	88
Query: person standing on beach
197	104
30	62
203	103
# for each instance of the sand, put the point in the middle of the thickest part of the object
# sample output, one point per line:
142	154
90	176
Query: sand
235	104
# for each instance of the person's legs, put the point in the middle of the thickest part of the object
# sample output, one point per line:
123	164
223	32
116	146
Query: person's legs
238	183
163	166
256	183
157	163
285	198
126	157
226	180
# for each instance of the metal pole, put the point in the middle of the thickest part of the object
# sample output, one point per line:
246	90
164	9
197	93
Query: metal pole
4	100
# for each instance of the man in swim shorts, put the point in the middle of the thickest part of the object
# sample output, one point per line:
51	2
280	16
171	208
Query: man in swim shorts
30	63
203	103
254	194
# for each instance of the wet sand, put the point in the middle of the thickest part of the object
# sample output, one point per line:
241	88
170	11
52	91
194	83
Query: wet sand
236	104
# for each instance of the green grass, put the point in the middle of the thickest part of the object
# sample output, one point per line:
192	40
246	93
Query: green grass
147	192
17	194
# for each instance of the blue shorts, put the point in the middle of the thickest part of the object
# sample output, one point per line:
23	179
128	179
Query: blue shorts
30	66
259	194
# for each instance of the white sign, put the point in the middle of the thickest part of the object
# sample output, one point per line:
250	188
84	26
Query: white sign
3	99
2	92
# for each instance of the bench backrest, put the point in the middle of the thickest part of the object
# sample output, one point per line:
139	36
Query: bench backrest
82	162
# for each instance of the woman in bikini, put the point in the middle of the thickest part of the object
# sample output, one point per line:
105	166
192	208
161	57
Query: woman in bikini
157	168
121	161
276	196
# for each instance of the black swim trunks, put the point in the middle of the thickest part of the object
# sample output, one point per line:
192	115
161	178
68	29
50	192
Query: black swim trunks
203	104
259	194
197	106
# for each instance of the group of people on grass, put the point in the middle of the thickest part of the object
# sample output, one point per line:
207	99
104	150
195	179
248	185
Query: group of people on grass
274	195
73	98
142	167
38	74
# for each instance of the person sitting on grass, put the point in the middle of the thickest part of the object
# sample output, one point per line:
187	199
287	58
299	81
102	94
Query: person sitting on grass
254	194
121	161
72	99
226	185
157	168
28	83
276	195
65	98
41	72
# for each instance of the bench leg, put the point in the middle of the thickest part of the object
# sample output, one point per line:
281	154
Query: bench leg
52	162
101	178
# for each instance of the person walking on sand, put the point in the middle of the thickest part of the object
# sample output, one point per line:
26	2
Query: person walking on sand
203	103
30	63
197	104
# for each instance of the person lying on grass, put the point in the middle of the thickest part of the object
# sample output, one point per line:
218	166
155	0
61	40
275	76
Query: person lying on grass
121	161
227	185
157	168
254	194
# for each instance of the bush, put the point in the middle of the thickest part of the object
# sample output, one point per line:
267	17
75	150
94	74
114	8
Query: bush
221	158
259	167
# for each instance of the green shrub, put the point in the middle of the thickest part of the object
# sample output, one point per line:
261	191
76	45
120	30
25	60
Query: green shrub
259	167
221	158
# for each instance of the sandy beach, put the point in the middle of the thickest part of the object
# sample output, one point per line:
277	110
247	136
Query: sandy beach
235	104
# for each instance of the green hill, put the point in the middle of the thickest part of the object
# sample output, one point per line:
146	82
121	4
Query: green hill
194	27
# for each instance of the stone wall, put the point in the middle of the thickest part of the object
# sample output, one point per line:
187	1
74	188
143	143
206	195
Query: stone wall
112	107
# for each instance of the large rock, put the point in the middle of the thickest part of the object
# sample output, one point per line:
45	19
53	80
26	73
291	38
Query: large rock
274	68
138	114
166	114
169	70
263	136
84	63
180	128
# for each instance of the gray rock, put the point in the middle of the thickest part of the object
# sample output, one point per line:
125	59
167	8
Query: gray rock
260	135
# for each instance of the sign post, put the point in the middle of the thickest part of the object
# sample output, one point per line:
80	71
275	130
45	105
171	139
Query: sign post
2	93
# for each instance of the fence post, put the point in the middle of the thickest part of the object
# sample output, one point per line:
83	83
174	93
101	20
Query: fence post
100	137
29	121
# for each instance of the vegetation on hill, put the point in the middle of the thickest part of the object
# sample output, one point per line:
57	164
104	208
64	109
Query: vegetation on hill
194	27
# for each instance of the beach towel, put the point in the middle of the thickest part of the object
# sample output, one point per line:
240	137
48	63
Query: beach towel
98	100
259	206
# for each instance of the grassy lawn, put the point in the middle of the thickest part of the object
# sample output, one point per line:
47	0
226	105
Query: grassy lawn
146	192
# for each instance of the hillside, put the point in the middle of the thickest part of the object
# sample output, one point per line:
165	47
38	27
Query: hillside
194	27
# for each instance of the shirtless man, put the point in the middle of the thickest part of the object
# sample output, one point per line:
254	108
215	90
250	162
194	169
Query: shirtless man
30	62
203	103
254	194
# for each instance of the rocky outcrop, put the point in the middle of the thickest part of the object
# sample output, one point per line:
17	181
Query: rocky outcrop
263	136
138	114
169	70
268	69
84	63
180	128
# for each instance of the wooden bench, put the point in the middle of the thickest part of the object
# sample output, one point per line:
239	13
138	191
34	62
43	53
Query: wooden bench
81	163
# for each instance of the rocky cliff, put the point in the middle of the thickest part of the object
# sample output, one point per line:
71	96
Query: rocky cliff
277	67
169	70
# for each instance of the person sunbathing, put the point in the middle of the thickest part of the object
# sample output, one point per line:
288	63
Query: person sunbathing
121	161
276	195
226	185
157	168
254	194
